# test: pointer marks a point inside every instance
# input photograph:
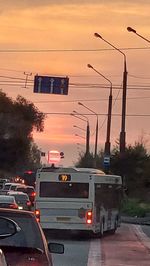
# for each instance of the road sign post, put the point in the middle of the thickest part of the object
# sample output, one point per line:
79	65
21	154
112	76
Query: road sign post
51	85
106	163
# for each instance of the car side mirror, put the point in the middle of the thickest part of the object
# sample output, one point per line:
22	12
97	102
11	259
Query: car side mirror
56	248
8	227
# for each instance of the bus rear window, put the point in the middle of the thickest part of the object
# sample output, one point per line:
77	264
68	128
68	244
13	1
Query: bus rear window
64	190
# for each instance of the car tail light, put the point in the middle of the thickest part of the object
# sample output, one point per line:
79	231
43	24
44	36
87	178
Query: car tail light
37	214
33	194
89	217
28	203
13	206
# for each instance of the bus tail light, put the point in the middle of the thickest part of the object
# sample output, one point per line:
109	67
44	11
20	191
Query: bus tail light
89	217
37	214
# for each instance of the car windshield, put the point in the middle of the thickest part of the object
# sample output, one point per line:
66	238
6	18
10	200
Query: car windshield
29	236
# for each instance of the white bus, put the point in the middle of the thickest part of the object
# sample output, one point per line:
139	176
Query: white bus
78	199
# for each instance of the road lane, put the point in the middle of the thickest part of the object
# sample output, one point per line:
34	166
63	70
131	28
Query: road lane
128	247
95	255
76	248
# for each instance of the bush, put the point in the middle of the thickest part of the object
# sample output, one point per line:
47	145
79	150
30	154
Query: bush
134	207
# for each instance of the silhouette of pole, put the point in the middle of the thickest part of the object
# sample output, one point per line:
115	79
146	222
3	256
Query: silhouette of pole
123	117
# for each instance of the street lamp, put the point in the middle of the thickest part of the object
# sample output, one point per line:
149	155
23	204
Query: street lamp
85	117
107	143
122	133
79	127
77	115
77	135
96	131
134	31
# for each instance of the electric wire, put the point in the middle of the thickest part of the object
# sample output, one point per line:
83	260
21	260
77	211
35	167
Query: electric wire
68	50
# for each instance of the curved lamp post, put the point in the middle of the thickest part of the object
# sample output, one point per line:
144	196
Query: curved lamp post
134	31
79	127
96	131
122	133
77	115
107	142
77	135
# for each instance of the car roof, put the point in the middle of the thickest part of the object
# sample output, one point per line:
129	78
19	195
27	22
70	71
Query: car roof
16	193
12	183
13	211
29	186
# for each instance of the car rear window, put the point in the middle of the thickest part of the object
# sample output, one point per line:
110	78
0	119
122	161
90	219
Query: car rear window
30	190
7	199
29	236
7	187
21	189
21	197
13	187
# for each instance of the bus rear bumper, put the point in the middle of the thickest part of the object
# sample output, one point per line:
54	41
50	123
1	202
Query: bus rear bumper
65	226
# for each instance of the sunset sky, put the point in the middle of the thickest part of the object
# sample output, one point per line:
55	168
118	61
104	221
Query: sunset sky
56	38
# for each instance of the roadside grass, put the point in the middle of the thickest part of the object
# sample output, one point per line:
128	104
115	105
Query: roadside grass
134	208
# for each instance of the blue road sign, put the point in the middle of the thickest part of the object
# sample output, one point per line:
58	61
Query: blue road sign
51	85
107	160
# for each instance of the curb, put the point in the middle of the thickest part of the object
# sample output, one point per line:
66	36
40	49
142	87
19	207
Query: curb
136	220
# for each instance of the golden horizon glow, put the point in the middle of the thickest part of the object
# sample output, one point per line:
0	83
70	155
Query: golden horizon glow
69	25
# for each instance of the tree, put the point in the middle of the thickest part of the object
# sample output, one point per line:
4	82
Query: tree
85	160
133	167
34	161
88	160
18	119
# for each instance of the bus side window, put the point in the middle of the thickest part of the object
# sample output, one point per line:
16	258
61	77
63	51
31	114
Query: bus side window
106	195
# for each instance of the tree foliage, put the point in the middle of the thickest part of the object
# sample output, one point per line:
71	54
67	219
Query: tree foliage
85	160
18	119
134	167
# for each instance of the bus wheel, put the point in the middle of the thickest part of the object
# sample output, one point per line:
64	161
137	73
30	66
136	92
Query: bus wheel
101	229
112	231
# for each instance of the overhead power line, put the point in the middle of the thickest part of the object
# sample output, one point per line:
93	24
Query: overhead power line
102	114
72	84
68	50
90	100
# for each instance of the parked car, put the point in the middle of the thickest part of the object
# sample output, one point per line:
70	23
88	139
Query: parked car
22	200
28	190
28	246
7	201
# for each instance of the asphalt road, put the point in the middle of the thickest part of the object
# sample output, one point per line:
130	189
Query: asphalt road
129	246
76	248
